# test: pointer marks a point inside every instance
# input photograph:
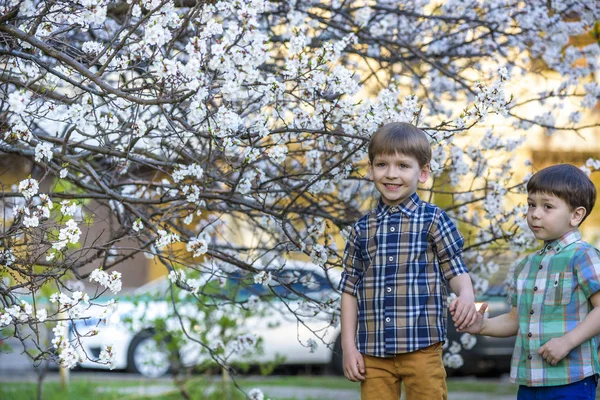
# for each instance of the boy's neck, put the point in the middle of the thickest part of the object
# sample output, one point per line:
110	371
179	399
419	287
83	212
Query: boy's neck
564	236
397	203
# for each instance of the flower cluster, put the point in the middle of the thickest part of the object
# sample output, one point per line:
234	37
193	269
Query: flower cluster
110	281
67	355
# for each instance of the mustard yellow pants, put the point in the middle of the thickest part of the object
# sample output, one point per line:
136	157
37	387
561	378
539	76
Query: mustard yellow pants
422	372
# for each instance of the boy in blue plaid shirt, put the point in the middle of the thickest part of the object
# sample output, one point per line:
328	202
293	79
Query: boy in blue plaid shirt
396	264
554	293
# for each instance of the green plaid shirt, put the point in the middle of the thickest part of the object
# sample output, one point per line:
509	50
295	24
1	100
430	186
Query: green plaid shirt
550	289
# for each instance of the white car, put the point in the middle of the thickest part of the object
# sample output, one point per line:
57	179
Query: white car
306	337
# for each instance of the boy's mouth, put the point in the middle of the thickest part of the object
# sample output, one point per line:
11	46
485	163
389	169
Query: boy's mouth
391	186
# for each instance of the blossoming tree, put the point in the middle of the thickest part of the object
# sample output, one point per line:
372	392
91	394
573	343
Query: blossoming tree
194	120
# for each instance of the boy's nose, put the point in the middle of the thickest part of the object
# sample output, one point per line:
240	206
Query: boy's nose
392	173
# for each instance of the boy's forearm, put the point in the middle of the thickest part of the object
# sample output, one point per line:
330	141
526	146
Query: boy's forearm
462	286
504	325
349	320
588	328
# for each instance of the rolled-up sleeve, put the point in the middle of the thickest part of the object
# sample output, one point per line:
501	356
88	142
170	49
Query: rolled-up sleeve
352	263
448	246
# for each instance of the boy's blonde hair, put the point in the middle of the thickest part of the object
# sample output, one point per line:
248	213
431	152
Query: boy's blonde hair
403	138
568	183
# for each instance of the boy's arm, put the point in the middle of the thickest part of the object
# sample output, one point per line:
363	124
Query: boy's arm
448	245
556	349
462	307
503	325
354	364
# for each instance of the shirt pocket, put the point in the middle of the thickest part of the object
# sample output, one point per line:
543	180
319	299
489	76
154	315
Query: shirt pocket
560	289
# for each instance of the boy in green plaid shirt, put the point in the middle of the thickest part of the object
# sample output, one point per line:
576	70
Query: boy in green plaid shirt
554	293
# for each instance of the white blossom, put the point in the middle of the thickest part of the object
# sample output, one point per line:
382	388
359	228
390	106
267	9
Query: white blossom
319	254
255	394
453	360
138	225
165	238
468	341
111	282
107	356
278	153
68	208
198	246
28	188
69	234
263	277
43	151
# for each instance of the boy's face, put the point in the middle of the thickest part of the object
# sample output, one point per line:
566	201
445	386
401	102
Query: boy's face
396	176
550	217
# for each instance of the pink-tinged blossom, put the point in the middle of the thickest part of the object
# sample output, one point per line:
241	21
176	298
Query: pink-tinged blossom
108	356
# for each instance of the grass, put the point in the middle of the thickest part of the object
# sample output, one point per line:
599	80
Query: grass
207	388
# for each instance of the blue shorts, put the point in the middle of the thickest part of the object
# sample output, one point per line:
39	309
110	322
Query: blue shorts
582	390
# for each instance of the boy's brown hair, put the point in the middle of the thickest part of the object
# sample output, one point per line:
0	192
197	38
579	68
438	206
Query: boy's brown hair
403	138
568	183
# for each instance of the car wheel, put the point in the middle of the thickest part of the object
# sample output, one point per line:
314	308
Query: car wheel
337	359
147	357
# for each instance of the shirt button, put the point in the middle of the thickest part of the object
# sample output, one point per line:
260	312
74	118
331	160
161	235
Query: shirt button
531	312
535	288
391	258
392	229
529	334
529	357
541	267
388	319
388	289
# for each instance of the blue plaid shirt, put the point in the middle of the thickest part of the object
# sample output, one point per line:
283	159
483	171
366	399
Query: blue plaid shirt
396	263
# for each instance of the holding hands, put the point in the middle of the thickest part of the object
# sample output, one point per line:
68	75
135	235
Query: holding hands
463	311
477	325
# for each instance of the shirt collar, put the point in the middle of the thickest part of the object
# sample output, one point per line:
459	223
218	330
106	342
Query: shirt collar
558	244
407	207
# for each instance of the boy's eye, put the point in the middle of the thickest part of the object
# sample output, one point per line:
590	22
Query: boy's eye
403	166
548	206
380	164
530	205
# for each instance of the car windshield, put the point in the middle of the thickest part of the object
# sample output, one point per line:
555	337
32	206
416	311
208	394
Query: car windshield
291	284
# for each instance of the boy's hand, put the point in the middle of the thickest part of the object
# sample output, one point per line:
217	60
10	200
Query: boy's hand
354	365
554	350
477	326
463	311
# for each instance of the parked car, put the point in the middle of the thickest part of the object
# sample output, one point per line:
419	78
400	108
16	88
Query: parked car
286	340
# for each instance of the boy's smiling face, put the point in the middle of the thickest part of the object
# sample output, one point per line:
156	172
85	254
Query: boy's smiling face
396	176
550	217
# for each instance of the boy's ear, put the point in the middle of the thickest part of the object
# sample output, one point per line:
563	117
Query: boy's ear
424	175
578	214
